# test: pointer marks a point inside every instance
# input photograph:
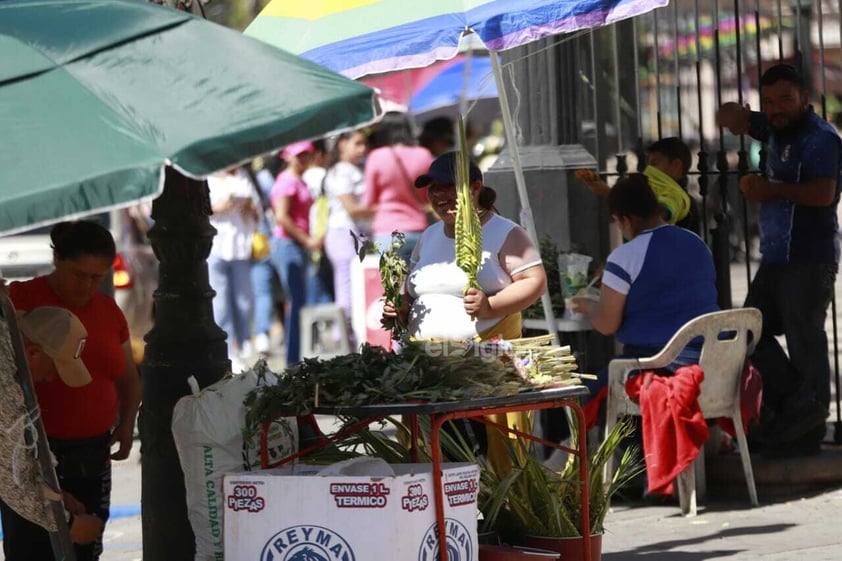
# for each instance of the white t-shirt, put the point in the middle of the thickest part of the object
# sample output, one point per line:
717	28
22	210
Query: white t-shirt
312	177
343	179
233	230
437	284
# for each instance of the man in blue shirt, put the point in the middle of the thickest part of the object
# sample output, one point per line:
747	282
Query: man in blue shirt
800	254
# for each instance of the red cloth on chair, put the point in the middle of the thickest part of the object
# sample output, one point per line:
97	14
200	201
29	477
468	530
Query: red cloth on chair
591	408
674	427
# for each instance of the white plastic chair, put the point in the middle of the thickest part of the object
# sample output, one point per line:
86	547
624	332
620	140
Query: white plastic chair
324	321
722	360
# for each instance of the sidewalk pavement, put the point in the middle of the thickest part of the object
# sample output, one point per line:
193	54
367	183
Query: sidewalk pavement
800	504
800	526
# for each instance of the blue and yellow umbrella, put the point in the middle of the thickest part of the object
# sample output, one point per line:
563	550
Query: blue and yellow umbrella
360	37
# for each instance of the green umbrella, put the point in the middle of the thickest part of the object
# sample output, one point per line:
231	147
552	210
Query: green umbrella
97	96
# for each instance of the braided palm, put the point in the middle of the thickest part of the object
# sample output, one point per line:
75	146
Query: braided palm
468	235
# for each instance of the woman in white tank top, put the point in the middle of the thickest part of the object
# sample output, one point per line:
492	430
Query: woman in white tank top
511	273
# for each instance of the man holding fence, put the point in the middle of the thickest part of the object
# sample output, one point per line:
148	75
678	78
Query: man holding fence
798	194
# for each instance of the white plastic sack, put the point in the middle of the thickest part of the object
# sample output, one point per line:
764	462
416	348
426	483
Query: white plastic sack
208	432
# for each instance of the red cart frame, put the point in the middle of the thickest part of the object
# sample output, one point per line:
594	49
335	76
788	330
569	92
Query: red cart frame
475	409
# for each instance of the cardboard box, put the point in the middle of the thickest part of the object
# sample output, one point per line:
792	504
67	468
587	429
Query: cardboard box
276	516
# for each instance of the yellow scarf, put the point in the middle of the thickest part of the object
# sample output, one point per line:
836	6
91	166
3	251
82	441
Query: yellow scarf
670	195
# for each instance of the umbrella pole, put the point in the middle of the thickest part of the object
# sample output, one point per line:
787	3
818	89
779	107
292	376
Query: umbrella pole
526	209
60	540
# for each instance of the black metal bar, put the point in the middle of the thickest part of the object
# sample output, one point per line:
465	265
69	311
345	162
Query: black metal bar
622	165
799	62
594	87
742	156
636	62
638	149
762	163
618	117
657	73
702	164
704	168
720	242
676	69
821	61
780	33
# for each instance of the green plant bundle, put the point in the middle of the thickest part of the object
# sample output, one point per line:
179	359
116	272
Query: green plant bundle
549	255
538	362
468	235
393	271
533	500
375	375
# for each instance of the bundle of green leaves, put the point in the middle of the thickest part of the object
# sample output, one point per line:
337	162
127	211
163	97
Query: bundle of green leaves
527	498
393	271
549	255
375	375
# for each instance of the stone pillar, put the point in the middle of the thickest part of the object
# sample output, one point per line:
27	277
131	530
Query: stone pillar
183	342
543	88
543	91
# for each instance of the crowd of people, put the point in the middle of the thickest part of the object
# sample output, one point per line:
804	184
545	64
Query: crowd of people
310	203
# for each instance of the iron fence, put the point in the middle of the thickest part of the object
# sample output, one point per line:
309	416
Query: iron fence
686	60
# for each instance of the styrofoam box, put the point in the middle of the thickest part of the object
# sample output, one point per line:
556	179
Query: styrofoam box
275	515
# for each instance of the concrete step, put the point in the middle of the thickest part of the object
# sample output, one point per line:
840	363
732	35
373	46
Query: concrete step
776	476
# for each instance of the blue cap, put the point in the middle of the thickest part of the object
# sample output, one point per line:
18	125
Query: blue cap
443	170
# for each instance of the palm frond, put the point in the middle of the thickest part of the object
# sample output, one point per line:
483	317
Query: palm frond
468	234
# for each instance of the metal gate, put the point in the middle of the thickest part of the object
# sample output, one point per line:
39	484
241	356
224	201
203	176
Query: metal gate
689	58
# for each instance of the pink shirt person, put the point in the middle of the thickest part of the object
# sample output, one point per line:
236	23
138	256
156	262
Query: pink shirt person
390	172
300	200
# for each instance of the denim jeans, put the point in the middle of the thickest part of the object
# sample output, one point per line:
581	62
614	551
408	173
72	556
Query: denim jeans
84	471
292	262
264	304
793	298
232	305
319	282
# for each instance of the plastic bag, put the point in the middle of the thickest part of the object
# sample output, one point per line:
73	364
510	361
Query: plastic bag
573	268
208	432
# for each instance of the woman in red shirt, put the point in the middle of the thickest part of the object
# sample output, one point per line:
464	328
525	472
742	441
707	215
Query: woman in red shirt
82	423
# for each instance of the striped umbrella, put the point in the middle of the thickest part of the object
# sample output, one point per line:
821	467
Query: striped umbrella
360	37
444	83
